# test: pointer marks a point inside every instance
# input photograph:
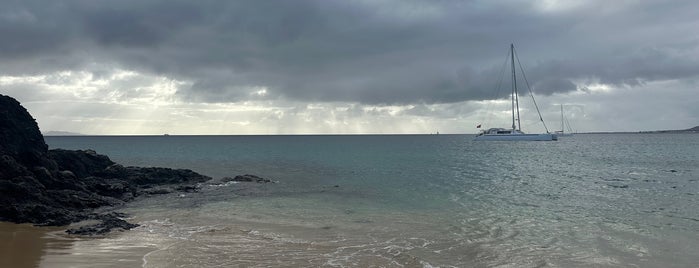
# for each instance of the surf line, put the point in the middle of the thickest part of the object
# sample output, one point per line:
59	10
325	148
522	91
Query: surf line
145	257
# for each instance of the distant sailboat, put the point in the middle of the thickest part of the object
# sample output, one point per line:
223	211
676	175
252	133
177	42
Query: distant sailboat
515	133
564	123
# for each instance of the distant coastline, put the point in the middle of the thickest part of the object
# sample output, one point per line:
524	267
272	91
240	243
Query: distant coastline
61	133
672	131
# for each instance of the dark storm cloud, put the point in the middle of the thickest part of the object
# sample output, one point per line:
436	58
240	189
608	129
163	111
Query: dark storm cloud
376	52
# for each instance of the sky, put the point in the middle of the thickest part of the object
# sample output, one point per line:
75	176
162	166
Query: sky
349	67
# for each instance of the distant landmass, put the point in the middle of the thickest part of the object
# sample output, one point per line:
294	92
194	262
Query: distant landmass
61	133
689	130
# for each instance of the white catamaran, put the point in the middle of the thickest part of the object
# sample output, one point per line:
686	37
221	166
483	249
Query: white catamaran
515	133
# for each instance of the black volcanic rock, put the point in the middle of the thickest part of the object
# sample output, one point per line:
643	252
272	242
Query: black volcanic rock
247	178
59	187
20	137
80	163
106	223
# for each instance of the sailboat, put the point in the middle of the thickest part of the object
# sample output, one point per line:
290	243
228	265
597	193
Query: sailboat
564	123
515	133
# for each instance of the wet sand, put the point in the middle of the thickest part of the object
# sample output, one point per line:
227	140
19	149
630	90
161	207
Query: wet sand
24	245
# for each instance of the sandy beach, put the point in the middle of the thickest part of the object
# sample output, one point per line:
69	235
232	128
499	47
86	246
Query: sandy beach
24	245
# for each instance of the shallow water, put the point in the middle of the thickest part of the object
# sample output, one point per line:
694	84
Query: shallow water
412	201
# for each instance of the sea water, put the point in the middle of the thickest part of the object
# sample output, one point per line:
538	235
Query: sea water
617	200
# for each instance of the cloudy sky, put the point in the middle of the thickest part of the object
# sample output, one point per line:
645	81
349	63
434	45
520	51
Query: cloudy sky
334	67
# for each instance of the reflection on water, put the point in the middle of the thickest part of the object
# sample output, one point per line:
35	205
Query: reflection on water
21	245
24	245
119	249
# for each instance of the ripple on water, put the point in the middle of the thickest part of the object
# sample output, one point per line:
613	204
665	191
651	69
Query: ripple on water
588	201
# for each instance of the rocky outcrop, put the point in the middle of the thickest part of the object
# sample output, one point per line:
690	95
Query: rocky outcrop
20	137
247	178
106	222
59	187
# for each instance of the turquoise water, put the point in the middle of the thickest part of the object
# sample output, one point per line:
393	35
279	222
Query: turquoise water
418	201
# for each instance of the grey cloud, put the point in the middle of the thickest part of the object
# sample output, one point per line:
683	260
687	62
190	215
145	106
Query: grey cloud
444	111
552	85
28	30
403	52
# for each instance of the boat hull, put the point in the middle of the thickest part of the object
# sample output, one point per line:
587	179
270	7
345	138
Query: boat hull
517	137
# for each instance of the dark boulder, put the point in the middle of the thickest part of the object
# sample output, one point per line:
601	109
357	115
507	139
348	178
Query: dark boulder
20	137
81	163
10	168
58	187
187	188
158	190
106	223
247	178
151	176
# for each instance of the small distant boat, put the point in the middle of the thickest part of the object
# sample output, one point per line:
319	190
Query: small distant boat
515	133
564	123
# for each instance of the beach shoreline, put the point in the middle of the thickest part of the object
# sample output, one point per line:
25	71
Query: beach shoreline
25	245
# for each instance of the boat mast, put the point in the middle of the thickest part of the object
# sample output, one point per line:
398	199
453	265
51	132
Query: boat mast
562	131
515	98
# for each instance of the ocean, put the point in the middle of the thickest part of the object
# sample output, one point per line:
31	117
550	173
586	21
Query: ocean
591	200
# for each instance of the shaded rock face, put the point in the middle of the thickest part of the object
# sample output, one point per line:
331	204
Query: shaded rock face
20	137
59	187
80	163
